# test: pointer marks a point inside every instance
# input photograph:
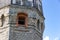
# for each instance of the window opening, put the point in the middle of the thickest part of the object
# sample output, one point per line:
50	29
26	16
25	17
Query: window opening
38	25
21	20
2	19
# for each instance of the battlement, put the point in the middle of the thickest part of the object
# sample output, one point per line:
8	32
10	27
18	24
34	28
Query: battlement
29	3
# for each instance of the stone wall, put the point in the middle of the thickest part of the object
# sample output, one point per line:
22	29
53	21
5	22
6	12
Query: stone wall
9	30
4	29
20	32
4	3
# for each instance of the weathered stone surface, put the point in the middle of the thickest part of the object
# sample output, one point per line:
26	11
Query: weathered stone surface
10	31
4	3
4	29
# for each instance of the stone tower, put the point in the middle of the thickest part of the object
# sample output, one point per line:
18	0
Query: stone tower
21	20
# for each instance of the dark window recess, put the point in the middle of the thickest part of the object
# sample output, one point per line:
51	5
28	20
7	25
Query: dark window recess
21	21
2	19
38	25
18	2
41	25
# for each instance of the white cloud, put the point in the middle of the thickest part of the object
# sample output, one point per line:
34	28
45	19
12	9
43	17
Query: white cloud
57	38
46	38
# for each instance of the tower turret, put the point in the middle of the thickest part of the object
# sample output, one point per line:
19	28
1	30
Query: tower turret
22	20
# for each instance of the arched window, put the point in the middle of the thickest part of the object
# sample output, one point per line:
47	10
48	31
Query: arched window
41	26
38	26
22	19
2	19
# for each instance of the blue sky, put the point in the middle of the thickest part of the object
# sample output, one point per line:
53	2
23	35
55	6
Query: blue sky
51	10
